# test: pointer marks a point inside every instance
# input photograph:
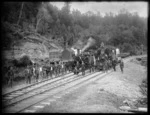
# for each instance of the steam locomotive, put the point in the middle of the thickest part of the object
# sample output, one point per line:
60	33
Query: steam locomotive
98	56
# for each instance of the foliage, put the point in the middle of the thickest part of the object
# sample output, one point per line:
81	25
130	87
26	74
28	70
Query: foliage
24	61
125	29
143	89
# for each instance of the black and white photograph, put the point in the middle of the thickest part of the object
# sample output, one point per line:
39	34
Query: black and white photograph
74	56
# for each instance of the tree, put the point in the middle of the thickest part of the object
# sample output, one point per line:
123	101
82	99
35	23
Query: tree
126	47
62	25
20	13
42	15
65	15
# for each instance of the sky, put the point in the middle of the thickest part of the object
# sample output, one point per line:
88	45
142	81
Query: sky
105	7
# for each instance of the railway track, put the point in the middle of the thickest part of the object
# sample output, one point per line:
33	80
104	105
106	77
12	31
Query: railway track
28	92
19	92
34	84
47	87
94	76
64	87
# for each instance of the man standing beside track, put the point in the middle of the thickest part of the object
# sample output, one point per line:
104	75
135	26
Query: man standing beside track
90	63
76	64
37	73
109	64
40	71
62	68
121	65
33	71
51	70
47	72
114	64
28	74
106	65
78	67
11	76
83	68
44	73
58	67
94	63
67	66
55	69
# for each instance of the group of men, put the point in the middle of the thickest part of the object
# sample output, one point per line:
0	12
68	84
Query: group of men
36	71
80	63
95	63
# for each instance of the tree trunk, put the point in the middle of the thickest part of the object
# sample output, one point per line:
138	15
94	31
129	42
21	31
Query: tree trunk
38	21
20	13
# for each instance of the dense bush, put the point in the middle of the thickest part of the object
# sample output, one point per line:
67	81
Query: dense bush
24	61
132	53
144	91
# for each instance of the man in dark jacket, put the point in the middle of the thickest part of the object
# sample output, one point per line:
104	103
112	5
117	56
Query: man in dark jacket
37	72
11	76
28	74
56	69
78	67
91	63
83	68
121	65
114	64
105	66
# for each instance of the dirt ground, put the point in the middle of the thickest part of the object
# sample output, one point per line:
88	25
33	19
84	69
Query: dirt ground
105	95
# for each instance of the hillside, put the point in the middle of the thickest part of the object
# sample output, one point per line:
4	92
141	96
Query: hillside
33	28
126	30
34	45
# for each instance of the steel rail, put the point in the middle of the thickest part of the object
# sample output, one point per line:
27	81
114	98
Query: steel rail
25	88
41	91
65	90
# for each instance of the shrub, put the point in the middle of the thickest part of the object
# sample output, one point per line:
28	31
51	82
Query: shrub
126	47
143	86
24	61
132	52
